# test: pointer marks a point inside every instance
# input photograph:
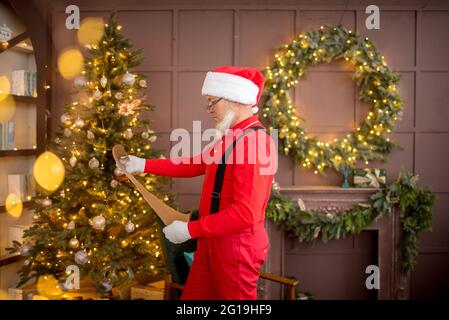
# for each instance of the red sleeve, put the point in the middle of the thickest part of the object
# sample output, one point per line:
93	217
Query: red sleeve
251	191
176	167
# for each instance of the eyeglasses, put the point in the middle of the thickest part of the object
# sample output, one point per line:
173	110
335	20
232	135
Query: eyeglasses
211	104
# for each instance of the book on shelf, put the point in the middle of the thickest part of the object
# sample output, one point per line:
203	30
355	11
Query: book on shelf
23	83
7	135
22	185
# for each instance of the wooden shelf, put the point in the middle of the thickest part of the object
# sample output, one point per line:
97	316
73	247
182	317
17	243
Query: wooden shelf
25	99
14	41
20	47
26	204
16	153
10	259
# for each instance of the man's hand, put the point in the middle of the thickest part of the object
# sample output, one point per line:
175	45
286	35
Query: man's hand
177	232
133	164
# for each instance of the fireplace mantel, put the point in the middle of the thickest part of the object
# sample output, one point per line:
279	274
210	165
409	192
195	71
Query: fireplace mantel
393	285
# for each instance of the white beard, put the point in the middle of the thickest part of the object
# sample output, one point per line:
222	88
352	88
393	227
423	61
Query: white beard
224	125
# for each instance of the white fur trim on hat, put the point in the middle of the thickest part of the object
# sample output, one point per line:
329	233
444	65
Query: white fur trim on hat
231	87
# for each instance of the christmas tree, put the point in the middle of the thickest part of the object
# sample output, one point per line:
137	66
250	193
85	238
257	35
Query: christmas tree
96	220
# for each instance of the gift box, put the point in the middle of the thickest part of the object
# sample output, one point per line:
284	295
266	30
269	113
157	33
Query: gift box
150	291
369	178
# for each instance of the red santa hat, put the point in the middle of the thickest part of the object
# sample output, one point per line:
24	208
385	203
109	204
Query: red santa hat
243	85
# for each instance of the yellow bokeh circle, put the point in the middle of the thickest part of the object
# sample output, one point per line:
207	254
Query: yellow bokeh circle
14	205
5	87
48	287
70	63
49	171
7	108
91	30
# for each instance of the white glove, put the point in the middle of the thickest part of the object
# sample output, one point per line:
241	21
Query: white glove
177	232
133	164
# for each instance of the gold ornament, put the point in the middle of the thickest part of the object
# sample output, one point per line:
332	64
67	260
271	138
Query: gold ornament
74	243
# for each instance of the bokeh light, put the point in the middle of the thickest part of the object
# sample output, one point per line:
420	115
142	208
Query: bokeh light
7	108
91	30
70	63
4	295
48	287
14	205
49	171
5	87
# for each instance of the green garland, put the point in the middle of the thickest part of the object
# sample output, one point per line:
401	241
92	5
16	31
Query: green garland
415	205
377	85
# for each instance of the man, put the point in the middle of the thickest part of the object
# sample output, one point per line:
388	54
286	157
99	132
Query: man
232	241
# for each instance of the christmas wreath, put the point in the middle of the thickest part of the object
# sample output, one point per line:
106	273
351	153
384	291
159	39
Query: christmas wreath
377	85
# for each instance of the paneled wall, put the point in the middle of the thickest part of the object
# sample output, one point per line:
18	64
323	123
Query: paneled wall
182	40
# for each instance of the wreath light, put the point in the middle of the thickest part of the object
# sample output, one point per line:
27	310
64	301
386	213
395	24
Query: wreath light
377	85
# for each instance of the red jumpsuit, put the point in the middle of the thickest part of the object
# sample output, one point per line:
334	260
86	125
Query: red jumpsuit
232	243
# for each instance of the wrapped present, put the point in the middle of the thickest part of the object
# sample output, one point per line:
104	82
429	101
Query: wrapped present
123	291
25	292
369	178
151	291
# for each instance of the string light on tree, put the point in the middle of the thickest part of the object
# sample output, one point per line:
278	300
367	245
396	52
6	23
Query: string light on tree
95	211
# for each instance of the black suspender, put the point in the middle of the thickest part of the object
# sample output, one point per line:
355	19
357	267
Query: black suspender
219	176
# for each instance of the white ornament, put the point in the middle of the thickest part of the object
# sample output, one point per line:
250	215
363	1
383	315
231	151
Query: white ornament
71	225
118	172
80	82
114	183
79	123
46	202
145	135
81	257
152	139
26	262
73	161
57	140
65	118
107	285
128	134
99	222
90	135
130	227
119	96
143	83
94	163
103	81
128	79
98	95
25	249
67	132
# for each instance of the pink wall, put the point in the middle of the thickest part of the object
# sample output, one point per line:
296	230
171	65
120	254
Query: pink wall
182	40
